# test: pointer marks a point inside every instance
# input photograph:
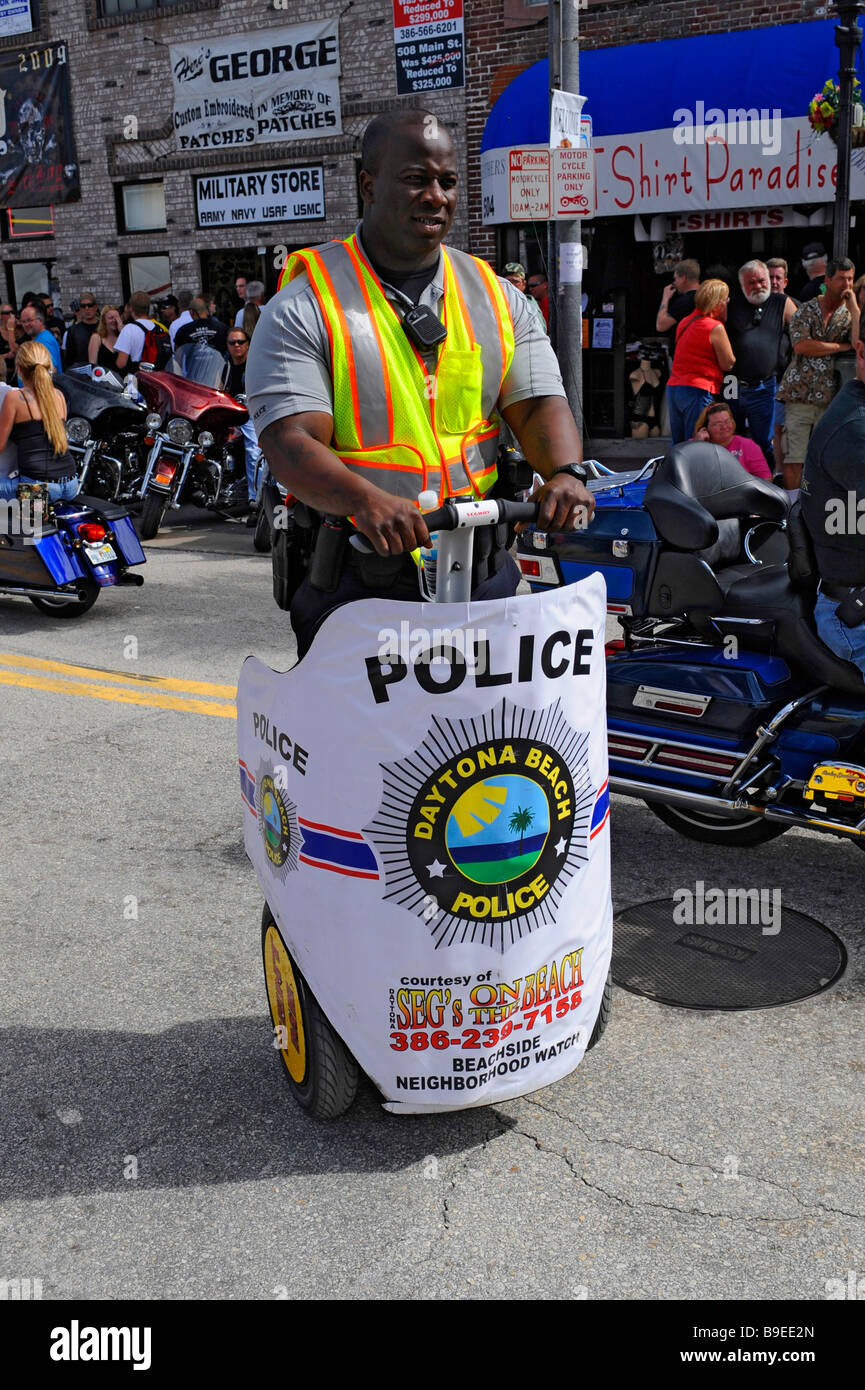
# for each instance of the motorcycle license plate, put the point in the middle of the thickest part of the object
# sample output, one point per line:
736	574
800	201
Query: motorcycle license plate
100	554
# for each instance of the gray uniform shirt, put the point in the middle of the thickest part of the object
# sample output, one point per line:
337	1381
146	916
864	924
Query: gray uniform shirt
288	370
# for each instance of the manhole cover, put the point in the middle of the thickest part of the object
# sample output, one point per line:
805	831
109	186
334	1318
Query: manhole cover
675	953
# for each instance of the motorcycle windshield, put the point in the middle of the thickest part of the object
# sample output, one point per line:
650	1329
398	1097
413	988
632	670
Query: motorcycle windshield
199	363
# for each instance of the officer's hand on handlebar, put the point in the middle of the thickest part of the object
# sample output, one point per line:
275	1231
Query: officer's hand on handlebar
392	524
564	505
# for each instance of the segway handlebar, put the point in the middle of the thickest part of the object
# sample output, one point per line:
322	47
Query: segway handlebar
482	511
475	511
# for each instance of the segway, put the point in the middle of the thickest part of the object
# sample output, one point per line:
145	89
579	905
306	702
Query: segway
426	807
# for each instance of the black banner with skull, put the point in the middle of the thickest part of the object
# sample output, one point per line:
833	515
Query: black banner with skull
38	163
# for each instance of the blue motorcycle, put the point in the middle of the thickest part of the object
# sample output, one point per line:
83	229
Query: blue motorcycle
62	555
726	713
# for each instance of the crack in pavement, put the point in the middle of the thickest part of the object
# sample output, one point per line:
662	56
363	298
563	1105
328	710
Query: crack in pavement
812	1207
688	1163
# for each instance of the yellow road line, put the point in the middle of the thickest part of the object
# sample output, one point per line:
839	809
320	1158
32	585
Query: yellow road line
128	697
164	682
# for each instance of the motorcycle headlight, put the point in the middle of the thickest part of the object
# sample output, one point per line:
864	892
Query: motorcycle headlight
205	439
180	432
153	422
77	430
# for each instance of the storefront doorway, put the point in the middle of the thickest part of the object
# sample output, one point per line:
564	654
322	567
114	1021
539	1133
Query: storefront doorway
220	269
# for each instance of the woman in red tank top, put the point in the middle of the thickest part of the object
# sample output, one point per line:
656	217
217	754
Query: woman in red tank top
702	356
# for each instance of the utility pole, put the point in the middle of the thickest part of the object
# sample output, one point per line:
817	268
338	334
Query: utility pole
848	37
566	329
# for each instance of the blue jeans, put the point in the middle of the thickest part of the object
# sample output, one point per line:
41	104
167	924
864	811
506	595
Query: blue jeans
754	413
685	404
253	454
61	491
846	642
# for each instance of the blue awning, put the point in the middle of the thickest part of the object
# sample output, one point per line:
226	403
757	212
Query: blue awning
639	86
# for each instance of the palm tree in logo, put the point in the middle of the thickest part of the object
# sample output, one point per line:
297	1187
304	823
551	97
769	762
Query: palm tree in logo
521	820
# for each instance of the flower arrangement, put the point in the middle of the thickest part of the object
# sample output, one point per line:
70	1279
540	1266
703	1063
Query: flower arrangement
823	108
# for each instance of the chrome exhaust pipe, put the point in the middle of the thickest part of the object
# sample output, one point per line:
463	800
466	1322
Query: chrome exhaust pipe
725	809
674	796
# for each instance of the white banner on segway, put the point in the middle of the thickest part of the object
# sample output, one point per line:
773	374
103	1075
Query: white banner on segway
426	806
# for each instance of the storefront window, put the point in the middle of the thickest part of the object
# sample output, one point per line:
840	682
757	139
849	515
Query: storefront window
141	207
149	273
30	275
112	7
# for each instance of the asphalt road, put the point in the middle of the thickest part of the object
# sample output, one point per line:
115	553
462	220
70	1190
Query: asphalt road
150	1146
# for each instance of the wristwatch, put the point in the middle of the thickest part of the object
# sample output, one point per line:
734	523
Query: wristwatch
576	470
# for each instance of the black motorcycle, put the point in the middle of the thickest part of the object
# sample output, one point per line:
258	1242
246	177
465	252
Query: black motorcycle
107	432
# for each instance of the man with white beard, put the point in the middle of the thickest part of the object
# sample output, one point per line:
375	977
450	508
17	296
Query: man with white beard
756	319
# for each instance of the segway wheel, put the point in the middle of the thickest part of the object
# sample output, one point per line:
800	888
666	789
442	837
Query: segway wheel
320	1070
604	1016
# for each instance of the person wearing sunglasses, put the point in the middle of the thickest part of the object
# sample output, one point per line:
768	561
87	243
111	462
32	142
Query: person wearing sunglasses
76	344
235	385
756	320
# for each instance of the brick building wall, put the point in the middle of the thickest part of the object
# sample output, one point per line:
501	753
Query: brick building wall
505	36
120	83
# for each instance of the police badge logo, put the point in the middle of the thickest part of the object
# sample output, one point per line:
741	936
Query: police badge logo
483	827
277	823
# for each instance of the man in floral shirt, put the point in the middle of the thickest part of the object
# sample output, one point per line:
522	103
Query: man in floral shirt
820	330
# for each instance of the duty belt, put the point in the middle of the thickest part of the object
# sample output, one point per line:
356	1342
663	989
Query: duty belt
750	385
836	591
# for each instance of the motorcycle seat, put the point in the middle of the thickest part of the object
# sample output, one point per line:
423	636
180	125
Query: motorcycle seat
111	511
699	499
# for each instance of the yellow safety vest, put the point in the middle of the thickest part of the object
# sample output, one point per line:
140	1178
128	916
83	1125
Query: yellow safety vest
398	425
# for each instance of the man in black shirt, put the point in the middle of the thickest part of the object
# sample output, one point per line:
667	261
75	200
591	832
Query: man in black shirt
677	300
833	509
77	341
202	329
756	319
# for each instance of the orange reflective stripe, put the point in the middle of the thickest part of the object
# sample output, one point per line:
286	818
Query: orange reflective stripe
345	335
351	248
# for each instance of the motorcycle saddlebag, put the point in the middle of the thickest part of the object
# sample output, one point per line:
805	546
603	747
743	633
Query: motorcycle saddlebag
706	690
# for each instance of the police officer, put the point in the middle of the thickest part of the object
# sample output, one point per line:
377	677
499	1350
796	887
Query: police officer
381	367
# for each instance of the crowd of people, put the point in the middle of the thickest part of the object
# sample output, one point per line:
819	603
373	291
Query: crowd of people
767	358
108	336
113	336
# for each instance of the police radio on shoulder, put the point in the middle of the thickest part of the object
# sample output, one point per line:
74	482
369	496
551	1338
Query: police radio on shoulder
423	328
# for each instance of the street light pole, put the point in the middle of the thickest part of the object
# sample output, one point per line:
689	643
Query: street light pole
848	37
569	343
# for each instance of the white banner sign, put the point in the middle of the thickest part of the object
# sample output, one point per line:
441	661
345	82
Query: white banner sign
15	18
773	162
688	168
425	803
252	89
267	195
568	129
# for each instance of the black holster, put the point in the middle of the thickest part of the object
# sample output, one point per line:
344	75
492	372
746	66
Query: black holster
293	534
